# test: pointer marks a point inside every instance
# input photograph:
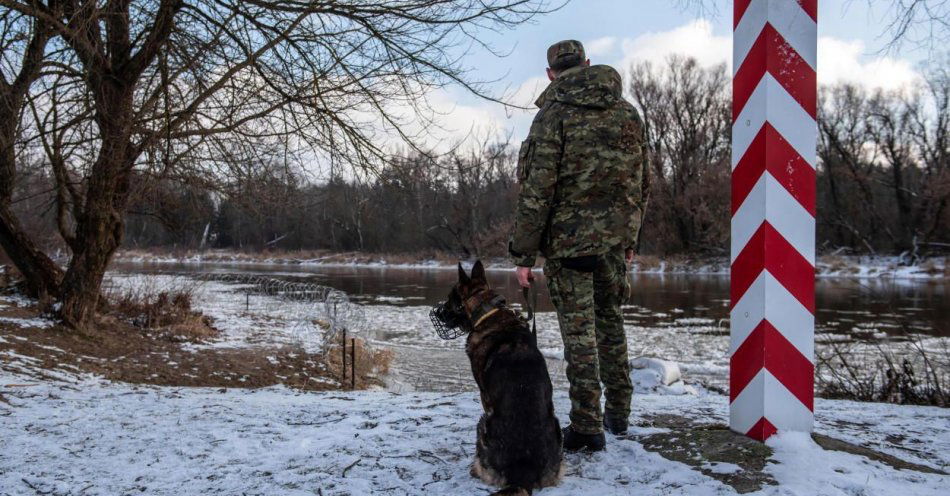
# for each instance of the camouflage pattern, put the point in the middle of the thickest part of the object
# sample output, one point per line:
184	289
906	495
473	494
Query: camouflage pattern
581	170
595	346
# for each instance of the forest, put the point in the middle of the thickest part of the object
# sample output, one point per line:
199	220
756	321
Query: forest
883	184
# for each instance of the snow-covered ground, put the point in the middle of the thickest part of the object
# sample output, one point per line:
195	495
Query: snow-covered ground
86	436
77	434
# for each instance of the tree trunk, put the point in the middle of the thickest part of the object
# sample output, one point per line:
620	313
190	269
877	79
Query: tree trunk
99	228
98	235
42	275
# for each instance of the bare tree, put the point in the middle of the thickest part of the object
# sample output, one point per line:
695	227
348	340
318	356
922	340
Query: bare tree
189	88
884	167
924	23
686	109
24	40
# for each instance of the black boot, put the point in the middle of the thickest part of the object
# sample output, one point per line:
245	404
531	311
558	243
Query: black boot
615	424
575	441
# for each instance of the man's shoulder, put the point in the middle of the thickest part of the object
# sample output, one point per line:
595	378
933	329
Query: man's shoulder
548	118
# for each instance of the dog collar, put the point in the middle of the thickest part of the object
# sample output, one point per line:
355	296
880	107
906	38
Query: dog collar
485	308
483	317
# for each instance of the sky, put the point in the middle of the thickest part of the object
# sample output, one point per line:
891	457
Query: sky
851	47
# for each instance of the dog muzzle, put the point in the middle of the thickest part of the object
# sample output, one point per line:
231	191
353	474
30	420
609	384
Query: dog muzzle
445	330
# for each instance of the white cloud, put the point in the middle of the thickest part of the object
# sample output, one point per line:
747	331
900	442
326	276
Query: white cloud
600	47
840	61
694	39
529	91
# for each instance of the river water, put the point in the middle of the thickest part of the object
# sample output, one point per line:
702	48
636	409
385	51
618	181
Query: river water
674	316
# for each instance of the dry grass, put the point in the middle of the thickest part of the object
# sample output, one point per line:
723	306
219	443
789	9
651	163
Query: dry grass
166	312
648	262
839	264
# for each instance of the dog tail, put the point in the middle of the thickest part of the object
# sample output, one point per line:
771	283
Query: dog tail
513	491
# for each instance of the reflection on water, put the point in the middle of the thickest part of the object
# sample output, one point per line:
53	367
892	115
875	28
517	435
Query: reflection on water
861	307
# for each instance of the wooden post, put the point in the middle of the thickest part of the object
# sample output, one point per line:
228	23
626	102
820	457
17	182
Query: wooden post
353	362
343	380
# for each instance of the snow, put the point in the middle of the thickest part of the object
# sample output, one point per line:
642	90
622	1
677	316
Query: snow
665	371
92	437
40	323
804	465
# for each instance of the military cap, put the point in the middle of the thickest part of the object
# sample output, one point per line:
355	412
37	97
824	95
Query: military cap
565	54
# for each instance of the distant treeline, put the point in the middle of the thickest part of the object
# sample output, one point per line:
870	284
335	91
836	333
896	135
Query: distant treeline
883	184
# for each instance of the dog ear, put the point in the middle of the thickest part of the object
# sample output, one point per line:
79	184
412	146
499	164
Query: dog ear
478	272
463	277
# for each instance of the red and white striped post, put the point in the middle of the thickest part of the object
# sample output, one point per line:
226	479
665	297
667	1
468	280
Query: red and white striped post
774	138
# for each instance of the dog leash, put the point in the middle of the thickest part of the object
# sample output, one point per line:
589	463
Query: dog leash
530	306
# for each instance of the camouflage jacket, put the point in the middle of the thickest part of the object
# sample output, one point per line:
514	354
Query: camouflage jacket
582	170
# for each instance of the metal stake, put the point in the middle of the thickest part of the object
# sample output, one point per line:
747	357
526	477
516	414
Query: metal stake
353	362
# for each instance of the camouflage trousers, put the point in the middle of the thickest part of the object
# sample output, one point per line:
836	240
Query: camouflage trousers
595	346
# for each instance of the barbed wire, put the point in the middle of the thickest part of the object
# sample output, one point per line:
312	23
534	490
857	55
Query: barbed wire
310	307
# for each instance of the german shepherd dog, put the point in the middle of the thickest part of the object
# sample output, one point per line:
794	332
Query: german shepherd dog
518	445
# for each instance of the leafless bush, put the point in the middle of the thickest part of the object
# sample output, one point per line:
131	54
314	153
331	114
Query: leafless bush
915	371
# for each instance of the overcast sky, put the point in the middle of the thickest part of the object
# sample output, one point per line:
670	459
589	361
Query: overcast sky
616	32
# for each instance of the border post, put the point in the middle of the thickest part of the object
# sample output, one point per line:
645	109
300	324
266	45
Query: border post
772	285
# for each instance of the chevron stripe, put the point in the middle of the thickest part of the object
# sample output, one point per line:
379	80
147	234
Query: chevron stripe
767	348
788	17
769	200
767	299
771	103
762	430
739	7
768	250
769	151
772	53
766	397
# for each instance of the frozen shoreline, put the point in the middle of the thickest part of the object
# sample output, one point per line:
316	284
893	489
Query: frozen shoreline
863	267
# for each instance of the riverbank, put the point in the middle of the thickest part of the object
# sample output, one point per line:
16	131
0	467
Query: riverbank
829	266
219	344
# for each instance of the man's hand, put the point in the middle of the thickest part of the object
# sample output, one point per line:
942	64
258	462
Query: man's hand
628	255
525	277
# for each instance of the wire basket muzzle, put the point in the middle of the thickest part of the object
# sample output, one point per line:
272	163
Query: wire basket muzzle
446	330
